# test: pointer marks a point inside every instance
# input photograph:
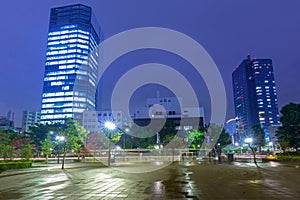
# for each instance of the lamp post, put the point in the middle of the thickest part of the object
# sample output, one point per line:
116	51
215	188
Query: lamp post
219	152
249	141
110	126
61	139
271	146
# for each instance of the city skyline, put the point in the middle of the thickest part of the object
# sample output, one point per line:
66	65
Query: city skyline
220	27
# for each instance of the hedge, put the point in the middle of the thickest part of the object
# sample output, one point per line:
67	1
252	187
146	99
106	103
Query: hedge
15	165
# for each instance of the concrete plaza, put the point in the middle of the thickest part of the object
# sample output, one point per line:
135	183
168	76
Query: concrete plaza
183	180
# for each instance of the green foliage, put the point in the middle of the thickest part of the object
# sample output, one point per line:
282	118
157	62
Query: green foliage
39	132
288	158
213	132
290	130
175	142
11	144
75	135
224	139
195	138
47	145
116	137
168	130
6	151
15	165
130	142
26	152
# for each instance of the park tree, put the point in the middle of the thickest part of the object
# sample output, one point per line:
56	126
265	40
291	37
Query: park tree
175	142
258	136
224	139
94	142
26	151
212	135
47	146
18	144
75	136
11	144
139	136
4	145
6	150
168	129
195	138
289	131
38	133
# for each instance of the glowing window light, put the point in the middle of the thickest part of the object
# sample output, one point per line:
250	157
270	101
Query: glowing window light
83	36
53	43
57	83
81	31
47	105
59	99
82	41
78	110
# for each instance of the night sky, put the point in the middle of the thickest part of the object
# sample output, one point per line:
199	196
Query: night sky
228	30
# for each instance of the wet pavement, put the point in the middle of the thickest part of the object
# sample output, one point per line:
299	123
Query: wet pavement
187	180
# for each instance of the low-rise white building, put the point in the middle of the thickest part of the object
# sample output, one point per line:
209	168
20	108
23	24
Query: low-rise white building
93	121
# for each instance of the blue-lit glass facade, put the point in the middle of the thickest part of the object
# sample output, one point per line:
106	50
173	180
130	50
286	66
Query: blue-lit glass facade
71	68
255	95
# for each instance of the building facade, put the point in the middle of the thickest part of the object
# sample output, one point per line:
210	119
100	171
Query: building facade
255	96
93	121
30	119
71	67
186	119
7	122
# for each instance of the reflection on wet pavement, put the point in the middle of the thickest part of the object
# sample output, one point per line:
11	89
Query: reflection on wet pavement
186	180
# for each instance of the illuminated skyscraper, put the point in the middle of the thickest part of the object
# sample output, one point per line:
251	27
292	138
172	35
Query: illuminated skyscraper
255	95
71	67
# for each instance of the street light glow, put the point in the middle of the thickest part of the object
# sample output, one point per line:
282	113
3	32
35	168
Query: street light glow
109	125
270	143
248	140
60	138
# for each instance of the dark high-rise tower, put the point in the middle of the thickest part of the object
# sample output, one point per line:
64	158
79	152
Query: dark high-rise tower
71	67
255	97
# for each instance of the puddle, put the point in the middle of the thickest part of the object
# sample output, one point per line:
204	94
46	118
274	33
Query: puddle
179	186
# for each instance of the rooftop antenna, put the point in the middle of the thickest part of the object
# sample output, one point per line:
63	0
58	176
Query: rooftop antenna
249	56
8	114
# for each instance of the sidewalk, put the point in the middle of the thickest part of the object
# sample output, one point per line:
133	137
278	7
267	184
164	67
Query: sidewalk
186	180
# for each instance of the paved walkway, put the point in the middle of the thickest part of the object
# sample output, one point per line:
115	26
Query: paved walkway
176	181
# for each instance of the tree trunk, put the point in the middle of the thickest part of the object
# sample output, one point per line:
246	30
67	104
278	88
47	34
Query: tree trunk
254	156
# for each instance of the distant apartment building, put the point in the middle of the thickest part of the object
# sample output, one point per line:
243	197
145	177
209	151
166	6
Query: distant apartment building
188	118
30	119
7	122
71	68
93	121
255	96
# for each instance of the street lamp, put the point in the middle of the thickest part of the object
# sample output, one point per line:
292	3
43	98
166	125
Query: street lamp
62	139
271	146
219	152
249	141
110	126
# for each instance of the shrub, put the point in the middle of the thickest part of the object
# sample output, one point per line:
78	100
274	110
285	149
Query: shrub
15	165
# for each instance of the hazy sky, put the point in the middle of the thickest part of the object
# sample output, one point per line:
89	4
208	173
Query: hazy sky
228	30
